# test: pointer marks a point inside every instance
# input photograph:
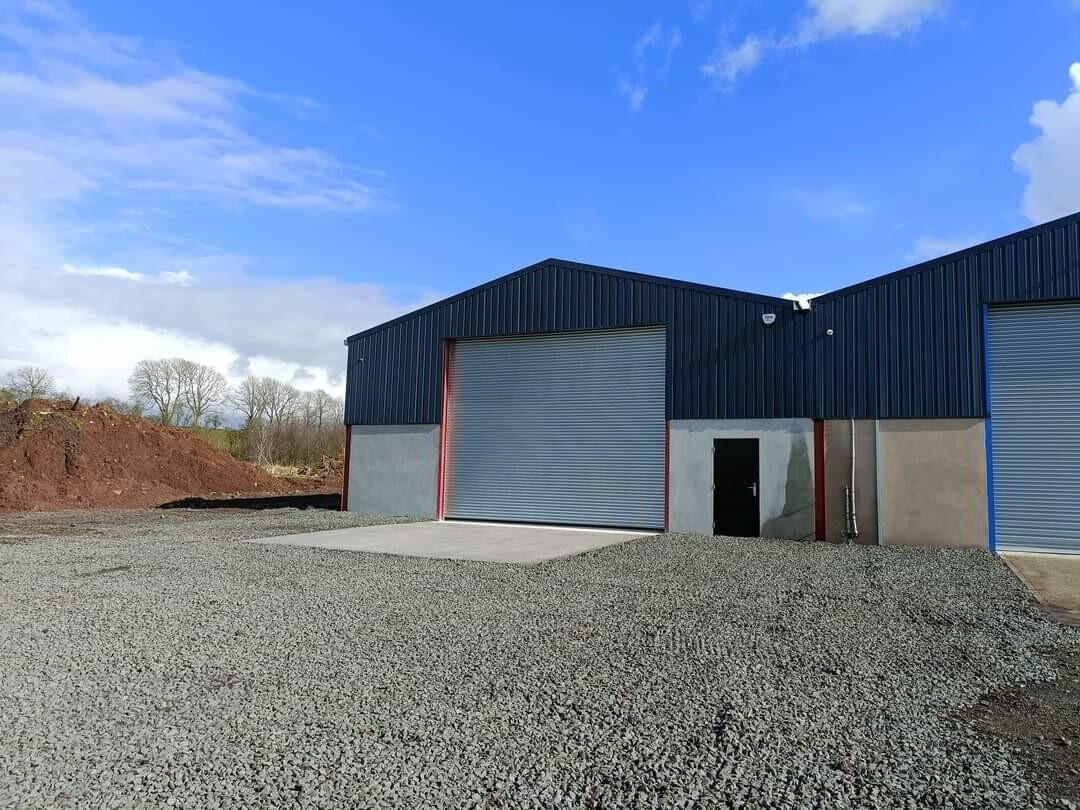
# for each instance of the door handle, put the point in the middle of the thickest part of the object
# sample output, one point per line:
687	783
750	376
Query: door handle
753	489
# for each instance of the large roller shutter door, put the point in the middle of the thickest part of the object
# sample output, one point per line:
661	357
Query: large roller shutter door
564	428
1034	368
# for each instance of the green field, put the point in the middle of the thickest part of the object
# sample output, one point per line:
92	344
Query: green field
222	438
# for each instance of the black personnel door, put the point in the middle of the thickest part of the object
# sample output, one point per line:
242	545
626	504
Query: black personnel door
735	488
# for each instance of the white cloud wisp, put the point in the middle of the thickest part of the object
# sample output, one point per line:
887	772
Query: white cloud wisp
728	64
833	18
656	38
821	20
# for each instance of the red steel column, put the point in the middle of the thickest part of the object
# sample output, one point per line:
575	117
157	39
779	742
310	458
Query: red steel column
443	430
345	478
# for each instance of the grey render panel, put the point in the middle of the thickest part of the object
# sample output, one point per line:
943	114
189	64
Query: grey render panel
393	469
786	485
563	428
1035	428
908	344
931	482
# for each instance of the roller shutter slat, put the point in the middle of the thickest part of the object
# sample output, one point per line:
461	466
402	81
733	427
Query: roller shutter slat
562	428
1035	426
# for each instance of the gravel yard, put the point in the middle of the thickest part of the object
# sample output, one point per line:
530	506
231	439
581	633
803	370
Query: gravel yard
146	657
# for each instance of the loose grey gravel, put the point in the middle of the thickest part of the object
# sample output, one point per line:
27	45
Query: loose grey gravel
149	659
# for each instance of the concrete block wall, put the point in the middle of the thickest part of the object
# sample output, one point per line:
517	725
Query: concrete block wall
919	482
393	470
786	473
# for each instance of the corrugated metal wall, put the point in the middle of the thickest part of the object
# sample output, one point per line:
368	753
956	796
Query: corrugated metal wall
909	345
724	358
904	345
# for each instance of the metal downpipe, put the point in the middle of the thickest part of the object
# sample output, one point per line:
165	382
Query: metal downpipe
851	523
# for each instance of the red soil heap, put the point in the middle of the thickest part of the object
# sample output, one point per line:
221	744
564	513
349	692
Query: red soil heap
54	456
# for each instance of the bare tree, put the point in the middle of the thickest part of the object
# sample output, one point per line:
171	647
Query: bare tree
249	398
280	401
318	408
156	384
263	441
30	382
201	388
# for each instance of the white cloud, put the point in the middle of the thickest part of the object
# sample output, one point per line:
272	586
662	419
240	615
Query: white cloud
177	277
123	274
92	121
728	64
91	355
90	111
657	39
1051	160
249	322
821	20
932	247
829	204
830	18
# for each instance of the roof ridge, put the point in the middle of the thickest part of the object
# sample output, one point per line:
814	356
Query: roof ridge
590	268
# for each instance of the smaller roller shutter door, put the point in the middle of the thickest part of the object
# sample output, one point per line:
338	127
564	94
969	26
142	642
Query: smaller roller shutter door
1034	368
562	428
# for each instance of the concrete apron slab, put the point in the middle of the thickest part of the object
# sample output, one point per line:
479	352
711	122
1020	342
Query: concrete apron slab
486	542
1054	579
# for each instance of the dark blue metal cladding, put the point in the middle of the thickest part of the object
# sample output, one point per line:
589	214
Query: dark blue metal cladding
722	360
908	344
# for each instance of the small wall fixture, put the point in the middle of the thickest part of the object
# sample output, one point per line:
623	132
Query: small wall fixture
768	318
829	332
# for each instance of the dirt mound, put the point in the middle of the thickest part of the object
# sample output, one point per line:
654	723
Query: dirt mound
54	455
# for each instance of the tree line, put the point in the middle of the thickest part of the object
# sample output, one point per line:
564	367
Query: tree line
279	424
181	391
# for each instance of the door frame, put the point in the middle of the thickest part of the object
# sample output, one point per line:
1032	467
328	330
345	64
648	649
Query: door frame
716	443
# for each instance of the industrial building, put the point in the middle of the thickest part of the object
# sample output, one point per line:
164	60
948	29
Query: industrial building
937	405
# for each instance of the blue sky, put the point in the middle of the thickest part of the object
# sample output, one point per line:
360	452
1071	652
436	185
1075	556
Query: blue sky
248	187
